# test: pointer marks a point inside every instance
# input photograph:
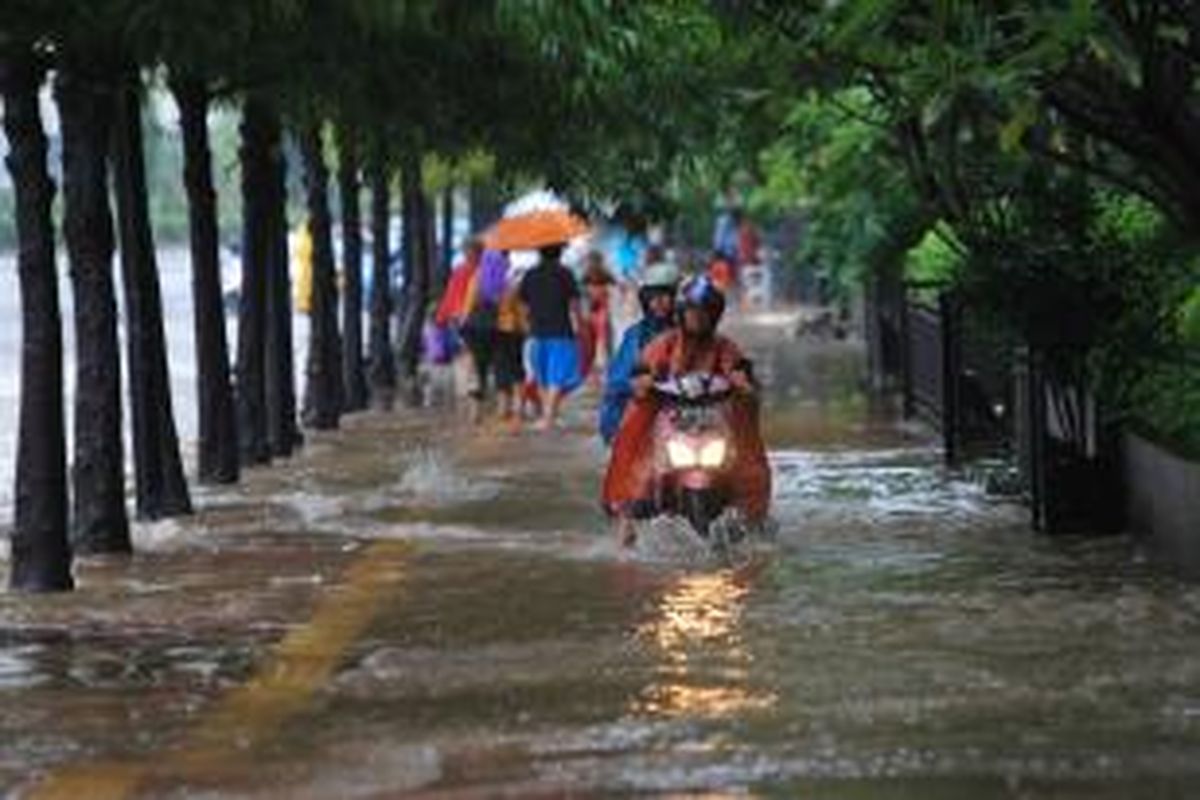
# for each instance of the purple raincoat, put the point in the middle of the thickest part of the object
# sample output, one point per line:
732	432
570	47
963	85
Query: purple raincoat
493	274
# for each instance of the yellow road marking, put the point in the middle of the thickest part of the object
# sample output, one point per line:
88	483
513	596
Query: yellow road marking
249	715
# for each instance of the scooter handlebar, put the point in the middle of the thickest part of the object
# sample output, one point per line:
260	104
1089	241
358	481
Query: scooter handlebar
693	389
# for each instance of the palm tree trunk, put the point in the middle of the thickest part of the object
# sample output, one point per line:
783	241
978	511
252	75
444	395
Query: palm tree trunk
41	554
101	523
251	385
218	445
382	369
323	391
354	380
283	429
161	489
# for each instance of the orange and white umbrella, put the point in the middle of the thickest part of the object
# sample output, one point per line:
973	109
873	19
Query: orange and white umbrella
533	229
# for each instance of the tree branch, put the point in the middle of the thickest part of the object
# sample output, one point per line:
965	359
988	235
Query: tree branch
1151	192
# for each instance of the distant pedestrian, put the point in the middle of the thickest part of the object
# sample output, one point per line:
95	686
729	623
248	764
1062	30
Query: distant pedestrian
551	298
456	301
480	325
748	242
595	338
452	307
720	272
302	263
509	358
725	233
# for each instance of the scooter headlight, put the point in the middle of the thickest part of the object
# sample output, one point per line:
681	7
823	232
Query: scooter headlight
712	453
680	454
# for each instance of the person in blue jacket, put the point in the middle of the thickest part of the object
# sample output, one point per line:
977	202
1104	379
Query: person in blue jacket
656	293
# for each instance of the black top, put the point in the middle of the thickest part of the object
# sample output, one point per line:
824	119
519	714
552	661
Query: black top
547	290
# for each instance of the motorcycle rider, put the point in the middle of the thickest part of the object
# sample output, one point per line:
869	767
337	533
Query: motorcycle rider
692	347
656	295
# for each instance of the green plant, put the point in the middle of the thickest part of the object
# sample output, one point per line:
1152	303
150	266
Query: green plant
1189	319
1167	401
938	258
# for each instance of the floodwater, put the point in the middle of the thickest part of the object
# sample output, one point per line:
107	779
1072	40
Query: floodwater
412	607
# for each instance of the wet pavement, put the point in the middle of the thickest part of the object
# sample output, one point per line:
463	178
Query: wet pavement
410	607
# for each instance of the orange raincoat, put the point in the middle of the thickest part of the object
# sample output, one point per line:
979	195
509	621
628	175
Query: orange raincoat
630	475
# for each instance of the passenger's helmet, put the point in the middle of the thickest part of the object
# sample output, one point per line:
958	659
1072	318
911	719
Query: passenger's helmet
658	278
700	292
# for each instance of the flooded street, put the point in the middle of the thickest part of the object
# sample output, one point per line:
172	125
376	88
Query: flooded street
413	607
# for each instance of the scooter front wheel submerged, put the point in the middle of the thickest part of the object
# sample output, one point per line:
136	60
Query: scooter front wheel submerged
699	507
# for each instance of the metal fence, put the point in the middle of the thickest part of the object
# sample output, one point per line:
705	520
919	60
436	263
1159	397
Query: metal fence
925	357
990	395
883	317
955	373
1068	462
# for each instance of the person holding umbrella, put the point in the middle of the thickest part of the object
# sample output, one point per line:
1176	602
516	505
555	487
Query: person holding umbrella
551	300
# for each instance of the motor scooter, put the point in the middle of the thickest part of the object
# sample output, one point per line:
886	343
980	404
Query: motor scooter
693	448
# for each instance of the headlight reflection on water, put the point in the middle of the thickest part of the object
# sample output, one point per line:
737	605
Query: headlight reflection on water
705	664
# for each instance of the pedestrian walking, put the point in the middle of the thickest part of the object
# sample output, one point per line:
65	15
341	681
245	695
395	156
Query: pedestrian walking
595	339
480	326
551	299
456	301
509	362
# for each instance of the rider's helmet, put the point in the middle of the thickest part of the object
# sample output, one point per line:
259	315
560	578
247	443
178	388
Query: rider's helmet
700	292
658	278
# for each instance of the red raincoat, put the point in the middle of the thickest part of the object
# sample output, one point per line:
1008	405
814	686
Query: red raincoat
453	306
630	473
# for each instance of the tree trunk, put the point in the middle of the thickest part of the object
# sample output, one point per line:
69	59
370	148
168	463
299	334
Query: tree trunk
256	133
354	379
382	368
484	205
323	391
446	262
41	554
161	489
218	445
101	523
283	428
416	276
427	219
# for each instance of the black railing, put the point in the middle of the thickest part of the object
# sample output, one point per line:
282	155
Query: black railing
925	363
1068	461
955	373
884	320
987	394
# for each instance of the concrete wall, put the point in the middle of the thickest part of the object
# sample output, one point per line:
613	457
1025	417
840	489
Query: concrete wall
1164	502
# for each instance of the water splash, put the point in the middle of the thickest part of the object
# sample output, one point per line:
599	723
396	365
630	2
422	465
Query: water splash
18	669
732	541
431	479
